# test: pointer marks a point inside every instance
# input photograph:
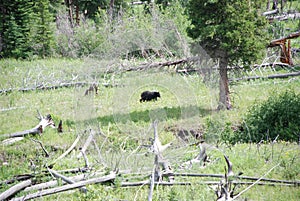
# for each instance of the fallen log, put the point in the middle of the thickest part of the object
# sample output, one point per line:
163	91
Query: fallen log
16	178
271	12
54	183
45	87
66	179
285	16
275	76
296	182
67	187
10	141
44	122
164	183
15	189
152	65
51	87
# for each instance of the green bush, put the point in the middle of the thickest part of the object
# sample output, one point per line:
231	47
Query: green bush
277	117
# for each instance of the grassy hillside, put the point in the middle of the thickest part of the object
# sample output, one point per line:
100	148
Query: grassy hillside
123	124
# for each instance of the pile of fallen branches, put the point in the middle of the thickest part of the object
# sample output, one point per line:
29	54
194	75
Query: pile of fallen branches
162	173
182	66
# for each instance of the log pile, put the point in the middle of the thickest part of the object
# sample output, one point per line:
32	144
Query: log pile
224	185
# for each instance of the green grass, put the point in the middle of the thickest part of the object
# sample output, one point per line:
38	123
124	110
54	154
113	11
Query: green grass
186	103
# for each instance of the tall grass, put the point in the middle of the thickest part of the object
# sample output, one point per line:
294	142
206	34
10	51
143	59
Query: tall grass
186	103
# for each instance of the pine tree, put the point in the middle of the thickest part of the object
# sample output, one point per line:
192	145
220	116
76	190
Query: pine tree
232	31
16	29
43	42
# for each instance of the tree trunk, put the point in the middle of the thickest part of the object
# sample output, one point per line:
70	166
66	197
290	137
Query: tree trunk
70	5
224	98
77	13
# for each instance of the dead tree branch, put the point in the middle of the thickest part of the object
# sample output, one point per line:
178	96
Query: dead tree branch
67	187
66	152
41	144
286	75
147	66
164	183
53	183
15	189
45	121
45	87
256	182
66	179
157	148
87	143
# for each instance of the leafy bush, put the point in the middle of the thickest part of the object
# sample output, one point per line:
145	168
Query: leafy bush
277	117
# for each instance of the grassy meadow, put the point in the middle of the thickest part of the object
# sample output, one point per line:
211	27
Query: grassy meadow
123	125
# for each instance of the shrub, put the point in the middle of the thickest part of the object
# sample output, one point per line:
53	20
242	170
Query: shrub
277	117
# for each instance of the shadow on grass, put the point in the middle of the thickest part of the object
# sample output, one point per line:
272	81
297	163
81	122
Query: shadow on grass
161	114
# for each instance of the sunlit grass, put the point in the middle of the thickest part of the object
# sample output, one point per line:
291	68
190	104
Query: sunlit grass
186	103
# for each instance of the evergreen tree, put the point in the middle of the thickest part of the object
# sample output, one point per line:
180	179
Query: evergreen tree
16	29
43	42
232	31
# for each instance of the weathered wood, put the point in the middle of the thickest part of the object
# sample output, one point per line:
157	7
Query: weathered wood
53	183
87	143
151	183
33	131
256	182
10	141
67	187
286	75
284	17
66	179
296	182
66	152
45	121
15	189
157	148
42	146
16	178
285	54
51	87
201	158
45	87
163	183
152	65
270	12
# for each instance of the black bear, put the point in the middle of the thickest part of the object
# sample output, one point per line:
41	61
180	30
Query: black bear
149	95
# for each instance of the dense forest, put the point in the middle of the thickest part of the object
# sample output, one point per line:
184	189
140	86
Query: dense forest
114	28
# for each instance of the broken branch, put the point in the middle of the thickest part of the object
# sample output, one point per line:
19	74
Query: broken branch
66	152
67	187
45	121
41	144
66	179
15	189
